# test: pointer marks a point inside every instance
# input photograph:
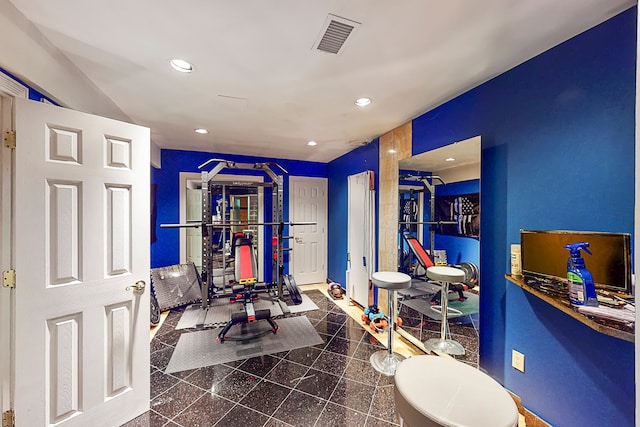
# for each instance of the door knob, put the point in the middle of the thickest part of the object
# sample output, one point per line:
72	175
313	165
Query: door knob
137	288
298	240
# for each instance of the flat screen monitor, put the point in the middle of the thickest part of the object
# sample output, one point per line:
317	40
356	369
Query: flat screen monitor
543	254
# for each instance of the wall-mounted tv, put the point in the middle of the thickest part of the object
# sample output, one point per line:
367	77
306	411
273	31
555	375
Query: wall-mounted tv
543	254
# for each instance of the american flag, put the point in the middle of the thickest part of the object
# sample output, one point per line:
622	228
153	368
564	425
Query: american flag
462	211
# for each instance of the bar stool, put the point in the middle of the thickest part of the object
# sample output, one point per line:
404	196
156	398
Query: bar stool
444	275
435	391
385	361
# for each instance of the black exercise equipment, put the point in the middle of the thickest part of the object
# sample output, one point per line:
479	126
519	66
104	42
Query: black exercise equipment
292	288
154	309
471	273
175	285
208	227
244	291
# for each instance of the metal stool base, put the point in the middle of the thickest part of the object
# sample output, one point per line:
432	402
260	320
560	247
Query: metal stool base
385	362
446	346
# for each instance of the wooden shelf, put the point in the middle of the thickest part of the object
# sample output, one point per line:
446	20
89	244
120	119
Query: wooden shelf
564	306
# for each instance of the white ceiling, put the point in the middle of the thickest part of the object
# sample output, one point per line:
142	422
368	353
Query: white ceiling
258	85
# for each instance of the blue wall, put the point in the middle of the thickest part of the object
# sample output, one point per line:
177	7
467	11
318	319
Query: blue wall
166	249
557	153
359	160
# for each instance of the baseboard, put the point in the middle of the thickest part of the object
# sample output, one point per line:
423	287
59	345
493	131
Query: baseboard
530	419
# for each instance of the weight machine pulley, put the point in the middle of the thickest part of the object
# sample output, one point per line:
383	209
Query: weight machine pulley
207	226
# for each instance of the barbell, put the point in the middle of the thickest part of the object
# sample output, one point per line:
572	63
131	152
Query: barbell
429	222
234	224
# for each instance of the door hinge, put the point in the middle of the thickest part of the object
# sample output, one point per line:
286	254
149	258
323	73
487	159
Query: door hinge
9	279
8	418
10	139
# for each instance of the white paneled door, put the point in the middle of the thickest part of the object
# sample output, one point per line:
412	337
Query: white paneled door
308	202
361	237
81	206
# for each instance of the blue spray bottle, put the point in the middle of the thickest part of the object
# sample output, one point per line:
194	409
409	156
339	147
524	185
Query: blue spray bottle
581	288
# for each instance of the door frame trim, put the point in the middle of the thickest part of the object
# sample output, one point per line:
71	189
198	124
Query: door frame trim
7	311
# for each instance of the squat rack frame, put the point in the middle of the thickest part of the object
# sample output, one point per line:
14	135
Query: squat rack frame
207	227
277	194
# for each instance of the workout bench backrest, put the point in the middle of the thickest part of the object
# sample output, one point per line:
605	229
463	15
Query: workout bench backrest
234	242
245	261
421	255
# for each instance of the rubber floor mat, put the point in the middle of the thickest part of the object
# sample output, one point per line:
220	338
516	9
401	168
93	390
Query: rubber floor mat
307	305
200	348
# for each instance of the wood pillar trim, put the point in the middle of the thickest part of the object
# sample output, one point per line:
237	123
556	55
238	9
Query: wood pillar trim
395	145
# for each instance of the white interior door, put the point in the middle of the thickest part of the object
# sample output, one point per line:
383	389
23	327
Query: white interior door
81	206
308	202
361	239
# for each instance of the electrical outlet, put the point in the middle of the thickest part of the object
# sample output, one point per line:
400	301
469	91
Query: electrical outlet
517	360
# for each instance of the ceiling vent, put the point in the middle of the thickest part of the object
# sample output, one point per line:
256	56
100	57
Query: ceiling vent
12	87
334	34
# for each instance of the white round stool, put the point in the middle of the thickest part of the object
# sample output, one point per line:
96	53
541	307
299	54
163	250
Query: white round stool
385	361
440	391
444	275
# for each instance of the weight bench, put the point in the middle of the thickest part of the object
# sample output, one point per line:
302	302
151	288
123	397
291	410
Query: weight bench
425	262
235	238
244	291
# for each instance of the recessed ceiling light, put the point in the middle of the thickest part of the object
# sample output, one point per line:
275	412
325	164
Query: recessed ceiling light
181	65
363	102
449	159
312	143
392	151
202	131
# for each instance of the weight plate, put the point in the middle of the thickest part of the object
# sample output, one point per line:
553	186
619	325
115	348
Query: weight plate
294	292
476	273
155	309
470	273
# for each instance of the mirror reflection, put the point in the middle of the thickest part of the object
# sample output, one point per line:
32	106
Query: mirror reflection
234	203
235	198
439	225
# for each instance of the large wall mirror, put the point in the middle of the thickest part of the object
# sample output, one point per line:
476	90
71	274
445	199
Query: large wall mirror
439	208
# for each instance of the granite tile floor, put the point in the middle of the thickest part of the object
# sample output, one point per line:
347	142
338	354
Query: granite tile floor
331	384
